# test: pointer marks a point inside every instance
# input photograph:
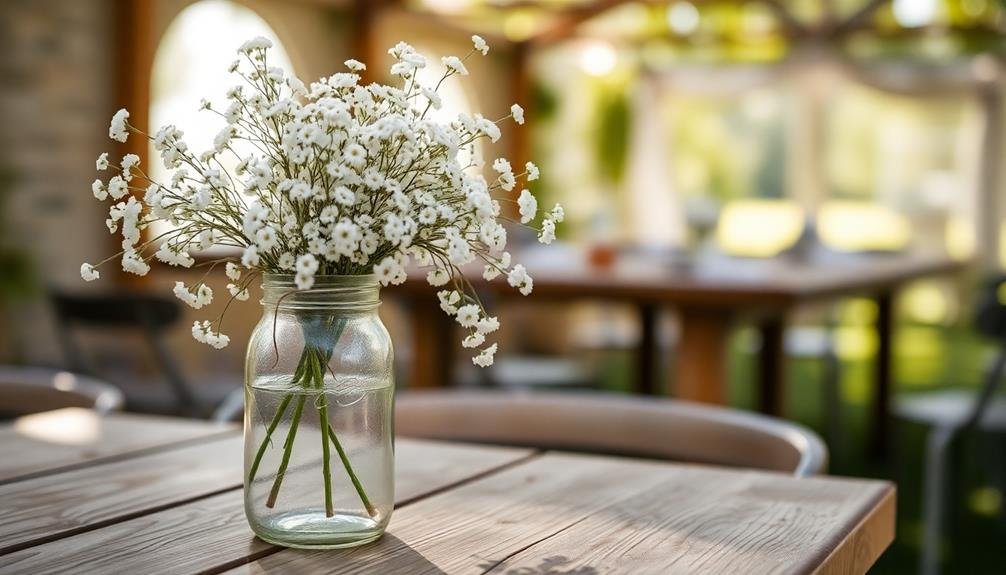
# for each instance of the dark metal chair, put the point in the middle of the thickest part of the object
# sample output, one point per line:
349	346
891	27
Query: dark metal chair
953	413
152	315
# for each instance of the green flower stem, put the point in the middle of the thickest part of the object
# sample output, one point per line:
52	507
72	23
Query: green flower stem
287	451
326	469
371	510
280	411
311	373
268	436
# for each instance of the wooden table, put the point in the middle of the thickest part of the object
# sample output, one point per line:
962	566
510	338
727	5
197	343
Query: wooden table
710	299
131	494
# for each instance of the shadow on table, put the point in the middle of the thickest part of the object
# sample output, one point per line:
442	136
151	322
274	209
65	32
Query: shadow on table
548	566
388	556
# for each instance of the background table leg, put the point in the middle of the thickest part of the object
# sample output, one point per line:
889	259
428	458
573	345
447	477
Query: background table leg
771	367
701	363
646	354
431	348
881	417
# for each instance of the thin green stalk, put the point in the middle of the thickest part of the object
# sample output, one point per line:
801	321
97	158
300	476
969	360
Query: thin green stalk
280	411
268	437
326	469
311	373
287	451
352	474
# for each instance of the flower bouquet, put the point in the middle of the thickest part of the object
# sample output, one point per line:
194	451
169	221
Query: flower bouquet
323	193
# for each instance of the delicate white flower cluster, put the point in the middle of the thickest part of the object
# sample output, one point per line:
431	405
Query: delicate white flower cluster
341	179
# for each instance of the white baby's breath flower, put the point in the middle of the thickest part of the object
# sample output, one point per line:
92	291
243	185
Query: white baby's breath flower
557	214
487	325
485	358
384	270
527	205
519	278
117	129
203	333
307	264
117	188
532	171
266	239
455	64
432	96
88	273
448	301
237	292
350	179
480	44
518	113
128	162
233	271
468	315
250	257
547	234
473	340
98	189
438	277
133	263
303	280
257	43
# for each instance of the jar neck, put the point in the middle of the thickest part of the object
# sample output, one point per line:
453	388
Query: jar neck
356	293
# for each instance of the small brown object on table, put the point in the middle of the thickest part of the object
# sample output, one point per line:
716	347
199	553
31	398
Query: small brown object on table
710	299
169	500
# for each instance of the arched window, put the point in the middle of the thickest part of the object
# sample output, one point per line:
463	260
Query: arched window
191	63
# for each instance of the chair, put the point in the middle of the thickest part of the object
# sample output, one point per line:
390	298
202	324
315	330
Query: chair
955	412
25	390
232	407
614	424
151	314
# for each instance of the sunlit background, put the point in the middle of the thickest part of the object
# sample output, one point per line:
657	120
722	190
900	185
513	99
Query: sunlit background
709	131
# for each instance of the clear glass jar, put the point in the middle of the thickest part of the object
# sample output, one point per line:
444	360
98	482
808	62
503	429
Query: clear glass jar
319	394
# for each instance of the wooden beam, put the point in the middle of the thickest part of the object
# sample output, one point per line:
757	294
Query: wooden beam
793	26
134	58
571	19
857	20
363	41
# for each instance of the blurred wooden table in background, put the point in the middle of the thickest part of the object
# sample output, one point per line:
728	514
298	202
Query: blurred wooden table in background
709	299
133	494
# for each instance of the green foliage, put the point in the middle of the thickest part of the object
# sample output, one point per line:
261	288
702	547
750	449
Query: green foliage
546	103
612	134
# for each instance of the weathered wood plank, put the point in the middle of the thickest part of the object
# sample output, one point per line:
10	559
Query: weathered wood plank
43	442
589	515
866	542
469	529
197	536
60	504
707	521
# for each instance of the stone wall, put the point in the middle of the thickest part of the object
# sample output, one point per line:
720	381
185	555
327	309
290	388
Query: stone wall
55	101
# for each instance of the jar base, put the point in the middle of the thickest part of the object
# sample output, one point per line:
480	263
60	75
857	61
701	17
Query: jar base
312	529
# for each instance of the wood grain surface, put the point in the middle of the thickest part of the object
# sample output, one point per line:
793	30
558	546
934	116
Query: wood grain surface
586	515
40	443
176	508
212	531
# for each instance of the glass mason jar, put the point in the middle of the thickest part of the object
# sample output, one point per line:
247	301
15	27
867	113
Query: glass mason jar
318	429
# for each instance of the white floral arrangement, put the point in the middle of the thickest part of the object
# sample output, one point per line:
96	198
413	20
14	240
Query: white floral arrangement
340	179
